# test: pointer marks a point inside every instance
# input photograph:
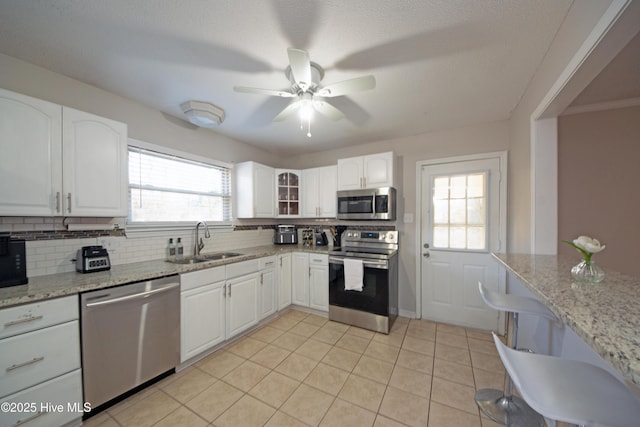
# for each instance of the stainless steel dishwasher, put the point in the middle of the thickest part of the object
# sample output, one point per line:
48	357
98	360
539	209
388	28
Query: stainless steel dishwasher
130	335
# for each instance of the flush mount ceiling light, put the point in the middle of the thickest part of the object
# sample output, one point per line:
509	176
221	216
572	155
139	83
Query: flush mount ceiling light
203	114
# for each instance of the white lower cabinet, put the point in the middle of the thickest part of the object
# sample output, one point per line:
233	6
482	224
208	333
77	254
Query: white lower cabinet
242	303
300	279
268	300
202	311
310	277
40	363
319	282
284	280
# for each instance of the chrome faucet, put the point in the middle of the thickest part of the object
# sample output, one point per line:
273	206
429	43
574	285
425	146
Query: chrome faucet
199	244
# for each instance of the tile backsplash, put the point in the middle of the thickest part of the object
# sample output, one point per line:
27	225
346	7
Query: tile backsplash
57	256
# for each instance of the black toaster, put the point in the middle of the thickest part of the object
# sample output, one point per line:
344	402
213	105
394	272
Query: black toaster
92	258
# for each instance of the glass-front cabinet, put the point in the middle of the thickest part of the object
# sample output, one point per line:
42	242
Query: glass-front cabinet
288	191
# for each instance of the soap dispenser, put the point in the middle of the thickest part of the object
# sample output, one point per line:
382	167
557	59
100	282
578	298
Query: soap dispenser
171	250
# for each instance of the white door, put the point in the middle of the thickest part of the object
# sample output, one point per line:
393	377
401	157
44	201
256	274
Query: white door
300	279
461	222
30	156
267	293
242	303
203	318
284	281
95	176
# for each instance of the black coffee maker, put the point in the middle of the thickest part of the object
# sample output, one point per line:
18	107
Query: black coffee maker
13	262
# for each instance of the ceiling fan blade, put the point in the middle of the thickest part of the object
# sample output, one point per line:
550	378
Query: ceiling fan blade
348	86
291	108
300	67
328	110
270	92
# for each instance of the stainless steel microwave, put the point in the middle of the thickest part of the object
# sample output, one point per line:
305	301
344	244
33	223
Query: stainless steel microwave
371	204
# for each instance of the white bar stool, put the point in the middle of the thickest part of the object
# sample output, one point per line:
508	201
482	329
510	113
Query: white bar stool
501	405
569	390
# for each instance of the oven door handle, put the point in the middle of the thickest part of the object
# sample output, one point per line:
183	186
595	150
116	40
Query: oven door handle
366	262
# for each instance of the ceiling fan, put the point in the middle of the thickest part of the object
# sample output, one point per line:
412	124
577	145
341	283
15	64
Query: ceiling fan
305	77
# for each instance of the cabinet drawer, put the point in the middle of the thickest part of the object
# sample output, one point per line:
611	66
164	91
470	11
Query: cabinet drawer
41	404
29	317
196	279
38	356
315	259
242	268
267	262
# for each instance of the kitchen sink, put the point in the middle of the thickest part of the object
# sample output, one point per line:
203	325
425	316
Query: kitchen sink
205	257
219	255
187	260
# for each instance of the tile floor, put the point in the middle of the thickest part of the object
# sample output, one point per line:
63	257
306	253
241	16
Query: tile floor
301	369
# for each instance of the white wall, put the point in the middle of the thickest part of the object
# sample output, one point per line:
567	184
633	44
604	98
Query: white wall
582	17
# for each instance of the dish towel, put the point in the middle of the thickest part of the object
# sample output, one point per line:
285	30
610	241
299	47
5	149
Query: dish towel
353	273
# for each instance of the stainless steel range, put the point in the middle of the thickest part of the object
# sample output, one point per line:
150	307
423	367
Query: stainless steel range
371	303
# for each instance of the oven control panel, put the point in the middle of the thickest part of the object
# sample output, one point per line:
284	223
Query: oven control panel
371	236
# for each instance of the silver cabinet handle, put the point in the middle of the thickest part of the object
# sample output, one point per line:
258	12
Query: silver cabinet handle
20	321
365	182
229	290
261	278
23	364
32	417
269	263
69	202
58	201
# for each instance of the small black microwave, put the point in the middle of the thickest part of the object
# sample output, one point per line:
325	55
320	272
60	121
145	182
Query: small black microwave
369	204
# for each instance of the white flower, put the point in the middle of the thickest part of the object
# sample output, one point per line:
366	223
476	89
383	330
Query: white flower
588	244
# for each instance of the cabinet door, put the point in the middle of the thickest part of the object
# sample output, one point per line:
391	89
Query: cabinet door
284	280
378	170
31	159
319	288
95	176
300	279
202	312
350	173
327	186
267	293
310	193
242	303
264	195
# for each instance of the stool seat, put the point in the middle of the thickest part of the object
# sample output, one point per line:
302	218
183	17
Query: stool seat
570	391
516	304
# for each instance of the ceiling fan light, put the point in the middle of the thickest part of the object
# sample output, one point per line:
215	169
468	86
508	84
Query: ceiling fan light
203	114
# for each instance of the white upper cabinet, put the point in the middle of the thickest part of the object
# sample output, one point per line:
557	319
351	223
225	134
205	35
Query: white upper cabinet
31	160
57	161
319	187
288	192
255	190
95	175
372	171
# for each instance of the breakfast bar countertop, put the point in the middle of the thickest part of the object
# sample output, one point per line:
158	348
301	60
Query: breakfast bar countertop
605	315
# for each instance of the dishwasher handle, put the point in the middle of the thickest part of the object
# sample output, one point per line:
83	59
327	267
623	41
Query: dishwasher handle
133	296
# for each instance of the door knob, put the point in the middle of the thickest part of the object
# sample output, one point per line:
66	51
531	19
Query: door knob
426	246
426	254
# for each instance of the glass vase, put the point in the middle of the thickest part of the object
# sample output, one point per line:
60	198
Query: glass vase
587	272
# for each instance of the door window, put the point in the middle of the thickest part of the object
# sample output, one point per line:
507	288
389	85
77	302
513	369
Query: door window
459	214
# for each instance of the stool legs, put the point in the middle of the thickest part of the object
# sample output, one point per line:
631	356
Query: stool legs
502	406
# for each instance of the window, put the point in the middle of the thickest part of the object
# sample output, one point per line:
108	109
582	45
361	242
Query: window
459	212
167	188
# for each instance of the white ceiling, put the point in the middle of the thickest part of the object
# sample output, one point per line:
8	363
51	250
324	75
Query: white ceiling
438	63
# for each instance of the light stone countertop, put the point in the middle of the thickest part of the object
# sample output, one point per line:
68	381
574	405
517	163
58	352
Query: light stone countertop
605	315
63	284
